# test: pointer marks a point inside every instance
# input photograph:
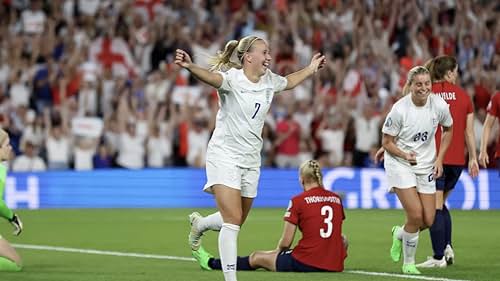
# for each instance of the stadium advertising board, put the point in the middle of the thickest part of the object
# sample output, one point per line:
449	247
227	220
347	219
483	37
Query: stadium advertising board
181	188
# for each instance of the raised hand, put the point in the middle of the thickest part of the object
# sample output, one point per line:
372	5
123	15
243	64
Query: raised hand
317	62
182	58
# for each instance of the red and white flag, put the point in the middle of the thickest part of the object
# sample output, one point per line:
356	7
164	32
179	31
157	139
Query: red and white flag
113	53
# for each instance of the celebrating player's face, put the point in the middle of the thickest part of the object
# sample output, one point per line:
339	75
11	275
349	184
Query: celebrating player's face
421	87
260	56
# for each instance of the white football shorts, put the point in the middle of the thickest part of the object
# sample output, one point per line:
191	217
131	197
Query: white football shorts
244	179
404	177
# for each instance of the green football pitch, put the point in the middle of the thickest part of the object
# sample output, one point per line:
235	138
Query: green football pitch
151	244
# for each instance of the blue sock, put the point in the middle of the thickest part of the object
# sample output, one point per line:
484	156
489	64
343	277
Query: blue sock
243	263
437	232
447	225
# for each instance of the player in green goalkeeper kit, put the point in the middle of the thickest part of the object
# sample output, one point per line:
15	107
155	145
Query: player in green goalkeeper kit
9	259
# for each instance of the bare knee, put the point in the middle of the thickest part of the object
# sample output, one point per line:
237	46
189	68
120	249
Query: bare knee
233	219
416	220
263	259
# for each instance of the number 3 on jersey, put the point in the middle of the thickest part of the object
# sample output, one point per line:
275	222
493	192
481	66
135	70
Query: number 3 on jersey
257	107
327	212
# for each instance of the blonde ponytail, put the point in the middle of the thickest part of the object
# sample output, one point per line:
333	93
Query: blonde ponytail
222	61
310	171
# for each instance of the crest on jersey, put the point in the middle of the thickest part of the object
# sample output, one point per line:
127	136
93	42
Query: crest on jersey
268	97
388	123
434	122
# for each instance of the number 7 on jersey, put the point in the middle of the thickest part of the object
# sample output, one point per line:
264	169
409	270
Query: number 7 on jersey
257	107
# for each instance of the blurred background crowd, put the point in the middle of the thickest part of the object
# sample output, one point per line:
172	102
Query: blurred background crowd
88	84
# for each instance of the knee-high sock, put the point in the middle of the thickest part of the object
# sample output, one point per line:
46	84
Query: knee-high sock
410	243
228	250
5	212
212	222
438	238
447	225
8	265
242	263
399	232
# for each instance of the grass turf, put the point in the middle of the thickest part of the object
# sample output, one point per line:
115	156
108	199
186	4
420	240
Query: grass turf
164	232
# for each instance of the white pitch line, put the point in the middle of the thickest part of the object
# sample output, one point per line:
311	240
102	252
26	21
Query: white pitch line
99	252
163	257
402	275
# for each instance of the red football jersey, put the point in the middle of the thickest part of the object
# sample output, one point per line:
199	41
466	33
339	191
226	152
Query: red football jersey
319	215
460	106
494	109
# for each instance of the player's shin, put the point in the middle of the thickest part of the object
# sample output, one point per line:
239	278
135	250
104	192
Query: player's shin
228	238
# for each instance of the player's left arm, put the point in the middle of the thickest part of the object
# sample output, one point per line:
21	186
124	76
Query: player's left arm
287	236
470	140
294	79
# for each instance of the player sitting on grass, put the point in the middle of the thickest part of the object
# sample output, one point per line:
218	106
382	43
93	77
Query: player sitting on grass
318	214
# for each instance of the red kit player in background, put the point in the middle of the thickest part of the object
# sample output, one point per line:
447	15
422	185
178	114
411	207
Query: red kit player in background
318	214
444	73
493	112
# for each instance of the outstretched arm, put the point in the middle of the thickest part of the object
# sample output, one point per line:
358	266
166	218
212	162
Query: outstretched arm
183	60
317	62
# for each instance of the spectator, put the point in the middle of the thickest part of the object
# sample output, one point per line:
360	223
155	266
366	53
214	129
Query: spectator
367	126
29	161
58	142
198	136
369	45
131	143
287	142
102	159
84	150
332	132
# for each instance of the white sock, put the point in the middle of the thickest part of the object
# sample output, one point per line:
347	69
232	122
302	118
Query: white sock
212	222
399	232
228	250
410	243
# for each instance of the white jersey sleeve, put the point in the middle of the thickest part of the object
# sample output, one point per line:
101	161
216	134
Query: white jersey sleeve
279	82
393	122
225	86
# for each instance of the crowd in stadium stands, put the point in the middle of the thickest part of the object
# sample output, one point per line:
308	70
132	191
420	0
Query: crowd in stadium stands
89	84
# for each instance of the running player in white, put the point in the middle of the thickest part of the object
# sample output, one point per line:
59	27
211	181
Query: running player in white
410	159
246	88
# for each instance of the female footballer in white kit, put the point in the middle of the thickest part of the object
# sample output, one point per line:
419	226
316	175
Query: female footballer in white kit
411	163
245	88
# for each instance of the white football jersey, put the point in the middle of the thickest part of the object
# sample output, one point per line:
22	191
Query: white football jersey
414	128
243	106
